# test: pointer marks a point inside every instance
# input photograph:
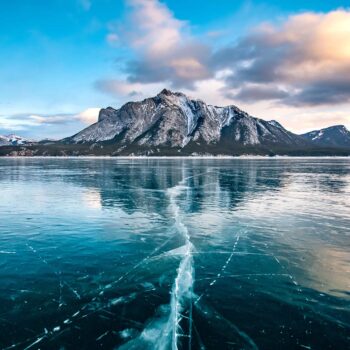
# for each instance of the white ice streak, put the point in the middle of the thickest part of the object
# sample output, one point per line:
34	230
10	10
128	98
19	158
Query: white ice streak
37	341
163	332
182	291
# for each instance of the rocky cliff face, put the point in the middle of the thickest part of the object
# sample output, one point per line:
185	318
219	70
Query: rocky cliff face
174	121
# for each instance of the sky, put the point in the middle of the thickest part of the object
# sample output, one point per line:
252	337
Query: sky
63	60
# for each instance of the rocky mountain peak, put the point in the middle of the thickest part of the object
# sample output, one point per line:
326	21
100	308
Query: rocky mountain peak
105	113
166	92
174	121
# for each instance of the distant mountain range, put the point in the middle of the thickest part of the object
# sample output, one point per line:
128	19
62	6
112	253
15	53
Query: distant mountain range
13	140
172	124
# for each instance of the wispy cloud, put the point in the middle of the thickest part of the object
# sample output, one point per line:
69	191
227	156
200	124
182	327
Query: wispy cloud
16	122
24	121
125	90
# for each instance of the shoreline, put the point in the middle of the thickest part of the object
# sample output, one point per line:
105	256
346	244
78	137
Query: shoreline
177	157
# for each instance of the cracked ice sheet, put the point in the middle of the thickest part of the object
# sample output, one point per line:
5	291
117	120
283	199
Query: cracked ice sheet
231	273
91	309
245	295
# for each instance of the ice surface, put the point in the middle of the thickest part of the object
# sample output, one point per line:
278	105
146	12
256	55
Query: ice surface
174	254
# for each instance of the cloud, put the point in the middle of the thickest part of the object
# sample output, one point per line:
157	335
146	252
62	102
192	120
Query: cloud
49	119
117	88
303	61
258	93
163	48
89	116
124	90
16	122
308	55
155	29
322	92
25	121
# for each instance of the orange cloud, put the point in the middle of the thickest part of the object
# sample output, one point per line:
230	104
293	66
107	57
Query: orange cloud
308	56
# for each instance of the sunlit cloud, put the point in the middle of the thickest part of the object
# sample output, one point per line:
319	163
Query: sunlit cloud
89	116
302	62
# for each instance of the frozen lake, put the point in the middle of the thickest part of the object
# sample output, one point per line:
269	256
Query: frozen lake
175	253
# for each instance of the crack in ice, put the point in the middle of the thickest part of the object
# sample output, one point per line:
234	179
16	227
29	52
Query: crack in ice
58	275
166	332
182	291
222	270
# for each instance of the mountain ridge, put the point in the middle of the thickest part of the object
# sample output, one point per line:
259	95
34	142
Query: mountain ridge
171	119
336	136
171	123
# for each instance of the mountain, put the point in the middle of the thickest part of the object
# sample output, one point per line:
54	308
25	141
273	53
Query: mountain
13	140
333	136
172	124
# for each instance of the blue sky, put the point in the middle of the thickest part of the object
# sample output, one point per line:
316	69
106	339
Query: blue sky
63	60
